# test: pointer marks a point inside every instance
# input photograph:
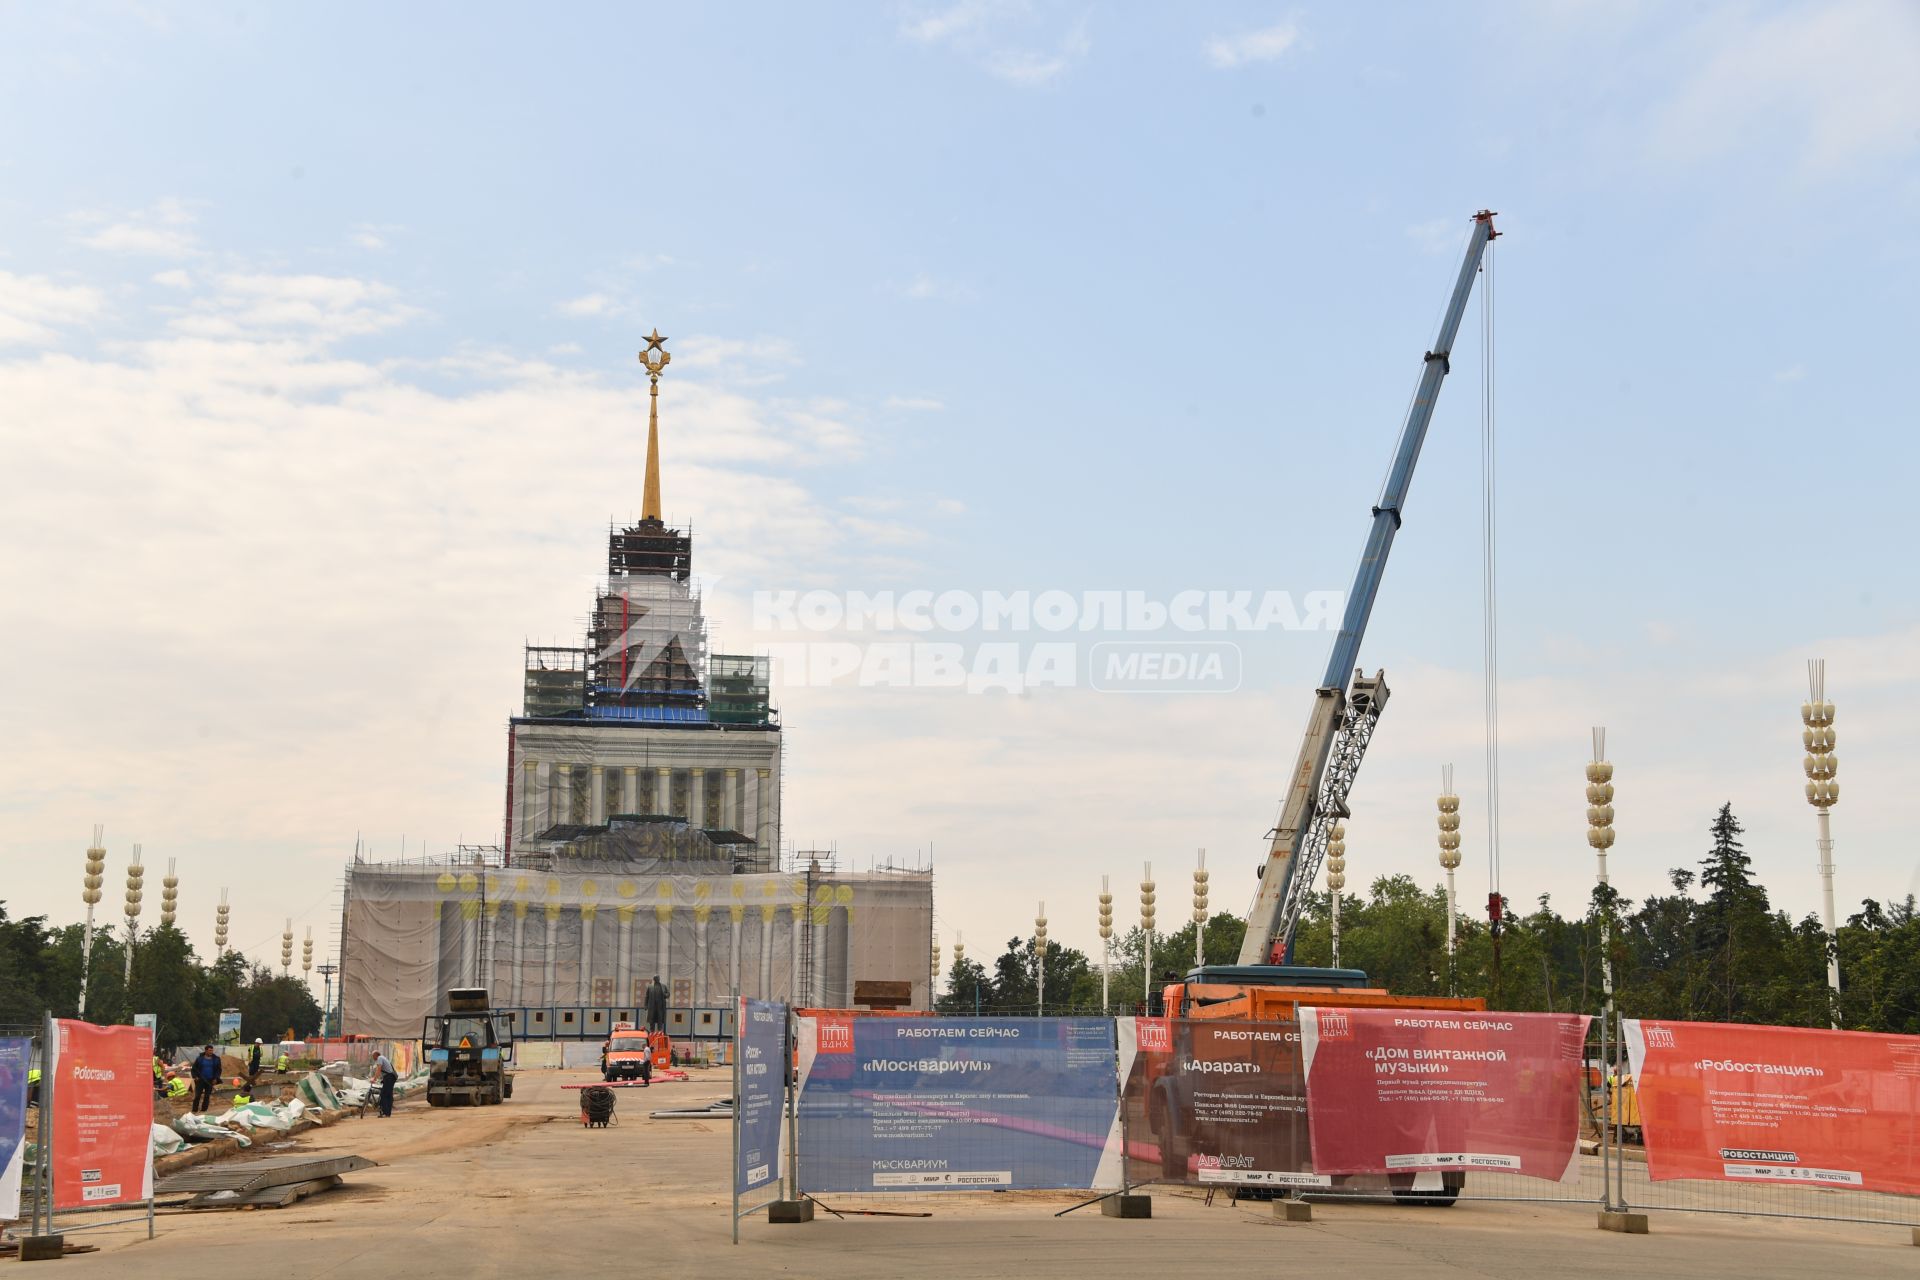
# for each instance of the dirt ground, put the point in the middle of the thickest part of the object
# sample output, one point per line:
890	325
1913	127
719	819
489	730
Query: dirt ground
522	1189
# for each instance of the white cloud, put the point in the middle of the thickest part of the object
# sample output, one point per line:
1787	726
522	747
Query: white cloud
1008	41
314	307
161	231
1264	45
589	304
913	404
741	359
174	279
367	236
1834	83
1792	373
33	308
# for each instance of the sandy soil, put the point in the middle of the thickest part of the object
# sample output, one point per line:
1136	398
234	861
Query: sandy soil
523	1189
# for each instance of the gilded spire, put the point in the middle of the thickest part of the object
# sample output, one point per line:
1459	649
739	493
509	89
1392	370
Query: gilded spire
654	359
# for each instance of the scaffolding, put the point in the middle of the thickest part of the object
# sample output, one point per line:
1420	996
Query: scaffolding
650	549
556	682
739	690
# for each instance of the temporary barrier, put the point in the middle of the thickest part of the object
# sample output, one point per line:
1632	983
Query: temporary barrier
16	1060
1409	1091
941	1104
760	1066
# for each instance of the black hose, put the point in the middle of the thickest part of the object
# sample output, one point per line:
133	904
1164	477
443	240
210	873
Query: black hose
596	1105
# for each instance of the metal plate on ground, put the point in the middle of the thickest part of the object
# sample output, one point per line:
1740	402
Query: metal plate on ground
252	1175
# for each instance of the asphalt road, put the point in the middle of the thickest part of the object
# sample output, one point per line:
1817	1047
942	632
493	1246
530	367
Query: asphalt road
522	1190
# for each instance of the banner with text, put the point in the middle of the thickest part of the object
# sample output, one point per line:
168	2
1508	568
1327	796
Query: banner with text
102	1114
1394	1091
1217	1102
759	1109
16	1059
931	1104
1778	1104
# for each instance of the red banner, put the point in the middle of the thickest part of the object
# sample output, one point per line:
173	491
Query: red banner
102	1114
1778	1104
1406	1090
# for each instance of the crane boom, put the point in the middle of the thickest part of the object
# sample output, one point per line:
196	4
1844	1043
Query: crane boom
1342	720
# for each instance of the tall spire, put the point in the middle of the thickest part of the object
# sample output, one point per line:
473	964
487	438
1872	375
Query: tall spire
654	360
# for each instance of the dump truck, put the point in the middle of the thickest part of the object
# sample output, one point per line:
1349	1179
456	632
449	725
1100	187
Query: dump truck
467	1049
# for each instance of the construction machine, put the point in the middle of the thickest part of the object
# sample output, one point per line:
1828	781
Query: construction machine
467	1050
1265	985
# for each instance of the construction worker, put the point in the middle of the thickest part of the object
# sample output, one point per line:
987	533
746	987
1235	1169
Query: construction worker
177	1087
282	1062
383	1072
33	1086
656	998
242	1095
206	1074
253	1062
159	1075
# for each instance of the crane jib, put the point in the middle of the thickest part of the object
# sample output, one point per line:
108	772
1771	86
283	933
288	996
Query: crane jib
1344	734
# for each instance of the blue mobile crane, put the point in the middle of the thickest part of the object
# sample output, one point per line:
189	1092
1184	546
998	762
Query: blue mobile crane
1347	705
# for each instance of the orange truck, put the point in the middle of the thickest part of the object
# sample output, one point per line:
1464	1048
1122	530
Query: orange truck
1272	994
632	1054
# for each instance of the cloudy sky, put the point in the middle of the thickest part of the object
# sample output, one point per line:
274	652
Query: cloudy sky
317	394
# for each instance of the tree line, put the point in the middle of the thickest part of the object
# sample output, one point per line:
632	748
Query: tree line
1712	950
40	973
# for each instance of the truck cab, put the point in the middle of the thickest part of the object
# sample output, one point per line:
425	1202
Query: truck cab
467	1049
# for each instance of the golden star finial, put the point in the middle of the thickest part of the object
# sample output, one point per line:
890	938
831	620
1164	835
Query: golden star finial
654	340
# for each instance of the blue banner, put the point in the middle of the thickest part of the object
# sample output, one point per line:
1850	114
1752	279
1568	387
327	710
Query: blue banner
759	1108
920	1104
16	1059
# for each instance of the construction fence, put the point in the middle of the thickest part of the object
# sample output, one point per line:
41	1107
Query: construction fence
1409	1106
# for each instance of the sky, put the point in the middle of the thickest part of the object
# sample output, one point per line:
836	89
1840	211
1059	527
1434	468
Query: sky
318	394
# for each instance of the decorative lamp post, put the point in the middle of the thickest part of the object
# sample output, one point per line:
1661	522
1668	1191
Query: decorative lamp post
306	958
1823	792
1106	943
90	894
1336	879
1200	911
1600	836
220	925
169	895
1146	927
1040	957
1449	820
286	949
933	981
135	873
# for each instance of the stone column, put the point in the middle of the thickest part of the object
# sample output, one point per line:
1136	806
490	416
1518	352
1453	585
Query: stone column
519	954
623	971
734	916
663	797
586	955
749	820
553	929
529	791
729	809
798	945
763	833
597	815
696	797
563	793
630	790
820	930
700	957
766	953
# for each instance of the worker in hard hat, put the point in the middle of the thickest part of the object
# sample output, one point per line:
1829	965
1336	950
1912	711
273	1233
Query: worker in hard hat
281	1063
253	1062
